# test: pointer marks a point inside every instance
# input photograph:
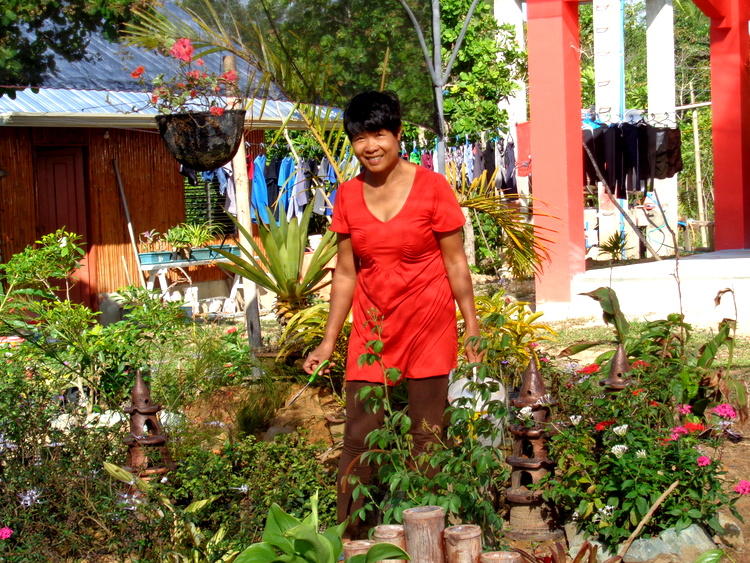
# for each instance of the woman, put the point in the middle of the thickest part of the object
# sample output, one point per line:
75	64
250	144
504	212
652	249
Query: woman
400	261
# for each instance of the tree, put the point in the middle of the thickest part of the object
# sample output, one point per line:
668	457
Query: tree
33	32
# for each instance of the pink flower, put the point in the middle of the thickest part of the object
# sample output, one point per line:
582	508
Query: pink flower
217	112
724	410
703	461
685	409
194	74
6	532
199	62
742	488
182	50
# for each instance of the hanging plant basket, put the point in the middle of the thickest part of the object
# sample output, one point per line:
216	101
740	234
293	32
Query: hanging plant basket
200	140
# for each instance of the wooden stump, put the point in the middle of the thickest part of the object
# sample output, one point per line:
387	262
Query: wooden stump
356	547
423	527
463	544
501	557
393	534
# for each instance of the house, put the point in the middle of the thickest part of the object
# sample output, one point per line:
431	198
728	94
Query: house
61	149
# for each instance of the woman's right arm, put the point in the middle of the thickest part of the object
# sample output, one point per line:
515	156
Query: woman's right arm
342	294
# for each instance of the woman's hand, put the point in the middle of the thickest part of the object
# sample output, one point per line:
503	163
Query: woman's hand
317	357
471	349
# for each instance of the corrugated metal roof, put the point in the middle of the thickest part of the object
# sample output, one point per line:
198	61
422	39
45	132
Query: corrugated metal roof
52	107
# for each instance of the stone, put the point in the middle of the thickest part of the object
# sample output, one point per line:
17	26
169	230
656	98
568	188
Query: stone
274	431
577	539
732	535
645	549
689	543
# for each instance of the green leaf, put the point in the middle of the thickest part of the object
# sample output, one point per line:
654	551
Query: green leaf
258	553
710	556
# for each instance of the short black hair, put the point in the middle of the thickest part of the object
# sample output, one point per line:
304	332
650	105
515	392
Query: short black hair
372	111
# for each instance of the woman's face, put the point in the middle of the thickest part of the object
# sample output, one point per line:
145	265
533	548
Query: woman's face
378	151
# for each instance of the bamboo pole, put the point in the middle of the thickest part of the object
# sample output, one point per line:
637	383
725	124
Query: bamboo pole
393	534
463	544
698	172
130	224
356	547
423	527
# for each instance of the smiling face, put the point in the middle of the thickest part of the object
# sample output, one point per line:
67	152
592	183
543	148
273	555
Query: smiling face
377	151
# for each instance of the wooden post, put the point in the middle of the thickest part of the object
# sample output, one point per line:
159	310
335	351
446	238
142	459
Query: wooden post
423	527
356	547
393	534
463	544
703	232
242	191
501	557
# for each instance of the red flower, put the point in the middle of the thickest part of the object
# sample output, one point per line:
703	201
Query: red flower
138	72
653	403
694	427
641	364
637	392
229	76
182	50
589	369
231	329
218	112
602	425
199	62
194	74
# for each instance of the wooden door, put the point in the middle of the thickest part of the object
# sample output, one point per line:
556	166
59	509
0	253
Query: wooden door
61	203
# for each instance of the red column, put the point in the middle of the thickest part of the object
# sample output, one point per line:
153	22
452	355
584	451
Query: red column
730	97
556	142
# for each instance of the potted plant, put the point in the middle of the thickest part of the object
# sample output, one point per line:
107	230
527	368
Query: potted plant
196	119
199	235
176	237
150	249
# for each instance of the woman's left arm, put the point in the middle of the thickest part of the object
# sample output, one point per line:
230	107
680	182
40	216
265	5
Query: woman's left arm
459	277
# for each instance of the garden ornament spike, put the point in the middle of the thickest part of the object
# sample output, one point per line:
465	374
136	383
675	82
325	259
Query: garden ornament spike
620	367
312	379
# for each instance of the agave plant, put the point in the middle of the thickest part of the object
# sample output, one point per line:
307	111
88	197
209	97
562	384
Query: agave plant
277	263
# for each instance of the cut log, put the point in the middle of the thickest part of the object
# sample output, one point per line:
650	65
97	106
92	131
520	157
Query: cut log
423	527
463	544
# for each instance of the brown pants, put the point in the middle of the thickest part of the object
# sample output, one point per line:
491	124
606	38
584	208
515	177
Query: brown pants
427	401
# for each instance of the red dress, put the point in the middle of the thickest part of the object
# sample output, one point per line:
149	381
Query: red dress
401	276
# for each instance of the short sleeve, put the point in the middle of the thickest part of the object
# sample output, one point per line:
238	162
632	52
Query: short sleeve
446	215
339	223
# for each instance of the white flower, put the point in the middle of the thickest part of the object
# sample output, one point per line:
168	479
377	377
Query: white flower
28	498
242	490
575	419
619	450
603	513
63	242
544	400
525	413
641	454
620	430
574	517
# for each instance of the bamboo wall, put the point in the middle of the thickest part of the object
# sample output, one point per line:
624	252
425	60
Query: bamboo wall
151	181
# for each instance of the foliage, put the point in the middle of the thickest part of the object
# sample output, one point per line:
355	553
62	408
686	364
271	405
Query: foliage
463	472
33	32
246	478
621	451
305	331
177	237
287	538
277	263
200	234
523	248
52	493
486	66
33	273
511	335
615	246
192	89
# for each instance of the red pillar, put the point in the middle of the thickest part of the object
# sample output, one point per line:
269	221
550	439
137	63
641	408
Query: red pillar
730	97
556	142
